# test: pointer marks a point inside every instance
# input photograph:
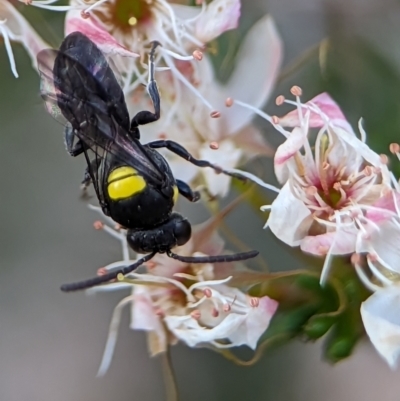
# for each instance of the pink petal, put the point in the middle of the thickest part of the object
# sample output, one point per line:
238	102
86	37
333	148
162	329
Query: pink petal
286	151
92	29
257	66
327	105
220	16
22	30
386	203
344	243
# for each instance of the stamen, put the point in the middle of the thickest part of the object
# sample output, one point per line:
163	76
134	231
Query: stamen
384	159
280	100
296	90
214	145
198	55
214	312
178	56
254	302
228	102
196	314
98	225
207	292
394	148
215	114
5	33
253	178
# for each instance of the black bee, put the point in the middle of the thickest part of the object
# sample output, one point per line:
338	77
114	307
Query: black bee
133	182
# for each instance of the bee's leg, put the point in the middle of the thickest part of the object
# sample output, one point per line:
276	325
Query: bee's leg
87	179
187	192
146	117
182	152
69	139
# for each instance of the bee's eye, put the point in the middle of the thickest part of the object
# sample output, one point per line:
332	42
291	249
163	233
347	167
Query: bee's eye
182	231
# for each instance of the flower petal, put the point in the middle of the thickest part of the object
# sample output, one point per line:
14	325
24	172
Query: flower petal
219	16
226	156
327	105
385	243
89	26
343	241
381	317
286	151
257	321
289	219
21	30
257	66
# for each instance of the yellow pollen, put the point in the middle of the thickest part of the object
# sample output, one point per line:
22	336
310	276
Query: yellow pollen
132	21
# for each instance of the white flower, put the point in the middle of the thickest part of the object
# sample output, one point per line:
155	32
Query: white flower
189	90
192	303
330	179
14	27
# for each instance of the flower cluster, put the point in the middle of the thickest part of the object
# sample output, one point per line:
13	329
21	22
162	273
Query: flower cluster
192	303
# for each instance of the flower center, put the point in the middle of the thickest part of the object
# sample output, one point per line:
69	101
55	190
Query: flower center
332	197
126	14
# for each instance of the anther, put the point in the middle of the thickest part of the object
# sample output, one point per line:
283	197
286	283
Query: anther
296	90
323	250
84	14
325	166
199	2
162	135
198	55
337	186
368	171
98	225
254	302
207	292
355	259
384	159
28	2
280	100
215	114
214	312
226	308
275	120
394	148
372	257
118	227
214	145
196	314
228	102
311	191
102	271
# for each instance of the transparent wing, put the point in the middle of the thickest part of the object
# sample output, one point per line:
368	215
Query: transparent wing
80	89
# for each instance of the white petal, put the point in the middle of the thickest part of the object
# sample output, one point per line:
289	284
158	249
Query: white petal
190	331
257	321
226	156
385	242
381	316
289	219
286	151
219	16
257	66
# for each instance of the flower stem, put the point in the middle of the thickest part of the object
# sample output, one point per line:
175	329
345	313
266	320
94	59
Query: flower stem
171	388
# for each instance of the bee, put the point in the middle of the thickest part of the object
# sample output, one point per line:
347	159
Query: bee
133	182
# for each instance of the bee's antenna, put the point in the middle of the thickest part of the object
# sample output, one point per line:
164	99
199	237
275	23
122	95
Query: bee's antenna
83	285
214	259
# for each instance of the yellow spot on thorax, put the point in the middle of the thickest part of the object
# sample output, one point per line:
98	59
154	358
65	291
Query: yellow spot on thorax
176	193
124	182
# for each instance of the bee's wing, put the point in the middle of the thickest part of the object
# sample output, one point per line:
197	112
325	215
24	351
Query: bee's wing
80	88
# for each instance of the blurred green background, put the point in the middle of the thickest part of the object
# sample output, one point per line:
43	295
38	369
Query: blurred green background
51	343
